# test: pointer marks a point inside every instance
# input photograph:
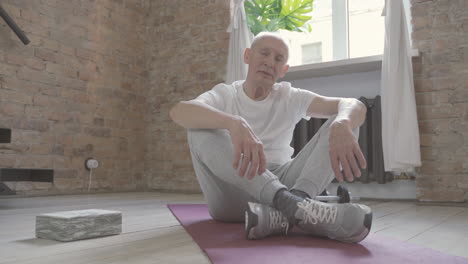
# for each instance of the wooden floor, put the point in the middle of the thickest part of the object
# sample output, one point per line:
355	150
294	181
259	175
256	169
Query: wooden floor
152	235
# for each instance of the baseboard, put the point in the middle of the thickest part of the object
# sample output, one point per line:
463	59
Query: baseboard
397	189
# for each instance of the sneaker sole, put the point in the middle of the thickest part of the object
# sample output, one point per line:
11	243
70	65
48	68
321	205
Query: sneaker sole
251	220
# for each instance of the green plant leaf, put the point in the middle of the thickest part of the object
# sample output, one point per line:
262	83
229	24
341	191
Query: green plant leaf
295	13
263	10
260	13
274	25
272	15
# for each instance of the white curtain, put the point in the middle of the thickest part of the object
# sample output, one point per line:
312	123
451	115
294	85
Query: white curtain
240	39
400	132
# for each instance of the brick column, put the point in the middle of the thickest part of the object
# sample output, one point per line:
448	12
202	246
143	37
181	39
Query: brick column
440	32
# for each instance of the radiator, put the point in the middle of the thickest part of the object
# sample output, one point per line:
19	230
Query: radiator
370	140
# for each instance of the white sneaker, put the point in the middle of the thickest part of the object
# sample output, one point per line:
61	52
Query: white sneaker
262	221
348	222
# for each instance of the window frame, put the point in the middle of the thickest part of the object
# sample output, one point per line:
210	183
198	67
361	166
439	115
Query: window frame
340	33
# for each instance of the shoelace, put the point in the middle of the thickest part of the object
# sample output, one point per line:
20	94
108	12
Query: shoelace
278	222
315	212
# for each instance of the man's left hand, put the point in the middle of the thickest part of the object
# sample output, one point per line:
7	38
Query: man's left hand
344	151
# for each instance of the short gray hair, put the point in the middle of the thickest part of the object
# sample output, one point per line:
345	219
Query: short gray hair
265	34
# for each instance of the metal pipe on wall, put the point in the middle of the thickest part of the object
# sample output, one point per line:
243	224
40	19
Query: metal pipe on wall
14	26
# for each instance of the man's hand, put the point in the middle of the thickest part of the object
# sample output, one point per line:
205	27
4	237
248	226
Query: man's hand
345	150
248	148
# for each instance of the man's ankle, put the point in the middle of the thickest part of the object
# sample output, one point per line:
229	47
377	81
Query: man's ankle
300	193
286	203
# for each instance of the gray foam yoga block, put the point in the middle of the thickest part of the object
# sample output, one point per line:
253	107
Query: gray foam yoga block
80	224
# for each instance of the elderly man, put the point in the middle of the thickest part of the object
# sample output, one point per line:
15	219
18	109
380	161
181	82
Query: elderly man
239	136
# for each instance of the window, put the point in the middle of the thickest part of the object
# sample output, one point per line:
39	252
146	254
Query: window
366	28
341	29
312	53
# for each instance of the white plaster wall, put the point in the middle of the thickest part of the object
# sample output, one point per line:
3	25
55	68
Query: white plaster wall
353	85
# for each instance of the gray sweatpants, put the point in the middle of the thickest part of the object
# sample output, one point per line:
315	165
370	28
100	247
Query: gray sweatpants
227	193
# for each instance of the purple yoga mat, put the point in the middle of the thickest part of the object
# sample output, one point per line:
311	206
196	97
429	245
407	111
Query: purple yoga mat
226	243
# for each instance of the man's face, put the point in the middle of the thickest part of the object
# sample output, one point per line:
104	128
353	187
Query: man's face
267	61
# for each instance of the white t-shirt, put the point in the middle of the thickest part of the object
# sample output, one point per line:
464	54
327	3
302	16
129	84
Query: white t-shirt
273	119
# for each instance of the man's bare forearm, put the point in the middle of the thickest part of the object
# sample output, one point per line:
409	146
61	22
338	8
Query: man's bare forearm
351	112
192	114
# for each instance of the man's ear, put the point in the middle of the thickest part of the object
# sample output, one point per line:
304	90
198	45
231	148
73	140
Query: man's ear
246	55
285	69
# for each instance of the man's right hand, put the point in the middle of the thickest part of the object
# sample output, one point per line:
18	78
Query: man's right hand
248	149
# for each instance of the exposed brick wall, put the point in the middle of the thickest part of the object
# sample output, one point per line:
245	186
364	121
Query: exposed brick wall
78	90
99	77
440	32
189	46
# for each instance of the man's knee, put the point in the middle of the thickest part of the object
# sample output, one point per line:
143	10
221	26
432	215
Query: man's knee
227	214
325	129
356	132
201	137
